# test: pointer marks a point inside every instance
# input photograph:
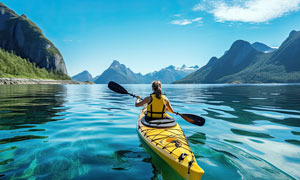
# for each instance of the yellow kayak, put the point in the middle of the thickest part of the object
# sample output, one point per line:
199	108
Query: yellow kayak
168	141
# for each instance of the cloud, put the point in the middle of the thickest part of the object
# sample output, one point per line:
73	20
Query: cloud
198	19
183	22
252	11
199	7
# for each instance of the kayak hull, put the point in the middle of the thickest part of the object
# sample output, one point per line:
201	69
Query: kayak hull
171	145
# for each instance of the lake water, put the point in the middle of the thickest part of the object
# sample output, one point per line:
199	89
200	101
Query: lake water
89	132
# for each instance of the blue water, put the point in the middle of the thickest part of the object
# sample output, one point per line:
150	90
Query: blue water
89	132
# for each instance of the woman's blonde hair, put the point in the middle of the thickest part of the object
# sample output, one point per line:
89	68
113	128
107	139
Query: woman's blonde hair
156	86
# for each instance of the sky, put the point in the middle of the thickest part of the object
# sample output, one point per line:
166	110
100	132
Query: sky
148	35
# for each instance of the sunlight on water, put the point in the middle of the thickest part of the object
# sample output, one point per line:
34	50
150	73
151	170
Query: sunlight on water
89	132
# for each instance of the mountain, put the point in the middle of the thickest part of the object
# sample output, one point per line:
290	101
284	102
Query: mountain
95	78
25	39
187	69
243	63
169	74
262	47
239	56
288	54
119	73
83	76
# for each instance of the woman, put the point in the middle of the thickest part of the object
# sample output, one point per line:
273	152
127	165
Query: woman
157	103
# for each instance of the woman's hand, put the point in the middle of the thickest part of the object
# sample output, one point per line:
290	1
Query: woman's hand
138	97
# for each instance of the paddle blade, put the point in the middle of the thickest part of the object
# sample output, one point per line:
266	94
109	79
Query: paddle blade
117	88
194	119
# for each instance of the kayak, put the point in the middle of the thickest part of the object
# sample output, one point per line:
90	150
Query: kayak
166	138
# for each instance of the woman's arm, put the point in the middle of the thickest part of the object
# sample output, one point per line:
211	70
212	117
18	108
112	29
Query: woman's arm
169	107
139	103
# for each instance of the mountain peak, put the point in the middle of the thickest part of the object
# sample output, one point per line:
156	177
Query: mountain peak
258	43
115	62
171	67
4	9
212	61
292	33
288	53
240	46
239	43
119	73
262	47
83	76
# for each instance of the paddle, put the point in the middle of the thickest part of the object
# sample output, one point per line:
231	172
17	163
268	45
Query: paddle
118	88
191	118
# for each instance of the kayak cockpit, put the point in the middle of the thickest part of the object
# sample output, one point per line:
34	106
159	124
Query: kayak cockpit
159	123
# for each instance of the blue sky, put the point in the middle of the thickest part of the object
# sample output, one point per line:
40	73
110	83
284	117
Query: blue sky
147	35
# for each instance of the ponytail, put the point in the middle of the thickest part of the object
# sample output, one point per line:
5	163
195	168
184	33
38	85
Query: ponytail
156	86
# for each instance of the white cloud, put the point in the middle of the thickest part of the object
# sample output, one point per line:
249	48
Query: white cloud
182	22
198	19
199	7
253	11
177	15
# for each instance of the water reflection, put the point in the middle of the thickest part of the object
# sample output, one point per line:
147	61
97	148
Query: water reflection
24	107
30	104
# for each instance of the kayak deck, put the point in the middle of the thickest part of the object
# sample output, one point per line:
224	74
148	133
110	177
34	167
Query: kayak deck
171	145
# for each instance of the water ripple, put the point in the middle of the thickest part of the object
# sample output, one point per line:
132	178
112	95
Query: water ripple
89	132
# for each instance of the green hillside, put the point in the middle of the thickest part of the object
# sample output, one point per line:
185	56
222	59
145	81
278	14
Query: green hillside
13	66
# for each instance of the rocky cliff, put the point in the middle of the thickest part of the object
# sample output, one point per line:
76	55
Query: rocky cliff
21	35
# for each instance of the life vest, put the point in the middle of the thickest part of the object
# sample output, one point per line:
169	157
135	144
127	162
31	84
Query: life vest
157	107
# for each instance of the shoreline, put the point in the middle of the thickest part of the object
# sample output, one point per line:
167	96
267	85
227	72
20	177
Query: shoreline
10	81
